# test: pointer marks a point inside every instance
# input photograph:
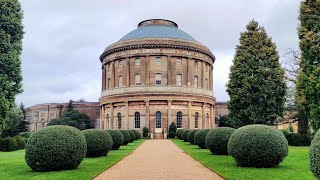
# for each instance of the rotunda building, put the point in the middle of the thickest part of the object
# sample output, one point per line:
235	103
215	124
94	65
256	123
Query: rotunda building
155	75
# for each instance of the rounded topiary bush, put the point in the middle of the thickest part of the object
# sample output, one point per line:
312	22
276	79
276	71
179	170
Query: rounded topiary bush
315	155
138	134
200	138
117	138
21	143
25	134
99	142
132	135
184	135
180	133
55	148
8	144
126	137
190	135
258	146
177	132
217	140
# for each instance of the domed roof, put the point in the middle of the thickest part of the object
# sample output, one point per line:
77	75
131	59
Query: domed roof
157	28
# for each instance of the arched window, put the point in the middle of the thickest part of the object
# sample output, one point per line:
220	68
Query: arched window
137	120
195	81
207	123
158	119
196	120
109	83
179	119
107	119
119	120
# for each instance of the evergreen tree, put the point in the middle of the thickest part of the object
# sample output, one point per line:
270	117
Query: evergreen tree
23	125
11	34
256	86
308	82
70	107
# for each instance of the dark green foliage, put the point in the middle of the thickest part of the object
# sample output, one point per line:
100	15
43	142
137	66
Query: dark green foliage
184	135
258	146
308	81
138	134
217	140
315	155
14	119
126	137
132	135
8	144
180	132
256	87
21	142
295	139
22	127
291	128
177	132
55	148
285	132
25	134
224	121
72	118
145	132
200	138
11	34
190	135
70	106
117	138
99	142
172	130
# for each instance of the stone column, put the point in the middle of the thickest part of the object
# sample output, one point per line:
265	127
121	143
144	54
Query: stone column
101	116
126	126
169	81
169	113
203	71
212	119
189	66
204	116
211	78
103	77
113	76
147	123
111	116
147	70
128	71
189	115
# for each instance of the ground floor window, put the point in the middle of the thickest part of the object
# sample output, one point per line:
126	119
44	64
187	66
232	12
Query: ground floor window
119	120
179	119
158	119
137	120
196	120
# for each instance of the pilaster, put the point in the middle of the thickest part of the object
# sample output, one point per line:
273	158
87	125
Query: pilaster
204	116
126	126
189	115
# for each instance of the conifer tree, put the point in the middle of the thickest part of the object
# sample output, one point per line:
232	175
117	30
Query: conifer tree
308	82
256	81
11	34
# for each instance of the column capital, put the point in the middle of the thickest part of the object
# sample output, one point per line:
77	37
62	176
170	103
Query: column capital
169	100
146	101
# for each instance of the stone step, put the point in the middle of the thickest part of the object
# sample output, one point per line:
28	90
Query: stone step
158	136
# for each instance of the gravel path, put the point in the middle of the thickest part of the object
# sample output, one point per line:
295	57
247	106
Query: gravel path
158	159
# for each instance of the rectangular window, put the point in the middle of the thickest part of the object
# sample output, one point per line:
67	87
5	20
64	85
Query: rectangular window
178	79
158	60
120	64
109	83
179	62
195	81
138	62
196	64
137	79
120	81
158	79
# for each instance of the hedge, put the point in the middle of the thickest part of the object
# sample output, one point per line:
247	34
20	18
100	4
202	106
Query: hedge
315	155
184	135
217	140
132	135
99	142
55	148
190	135
126	137
258	146
12	143
200	138
138	134
117	139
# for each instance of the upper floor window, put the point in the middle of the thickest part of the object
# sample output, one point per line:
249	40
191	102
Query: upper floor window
178	79
158	60
137	62
195	81
158	79
195	64
179	62
120	81
137	79
120	64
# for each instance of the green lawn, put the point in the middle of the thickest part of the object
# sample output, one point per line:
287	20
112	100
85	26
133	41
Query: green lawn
294	166
13	165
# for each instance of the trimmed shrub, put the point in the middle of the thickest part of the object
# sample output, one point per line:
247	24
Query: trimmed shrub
138	134
295	139
55	148
126	137
315	155
99	142
117	138
21	142
25	134
200	138
8	144
258	146
217	140
177	132
145	132
172	130
190	135
285	132
132	135
180	132
184	135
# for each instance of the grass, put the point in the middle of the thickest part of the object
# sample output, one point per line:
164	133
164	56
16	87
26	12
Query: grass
294	166
13	165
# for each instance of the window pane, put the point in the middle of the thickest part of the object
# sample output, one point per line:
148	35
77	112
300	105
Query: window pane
120	64
179	119
178	62
158	61
158	119
196	120
138	62
196	64
158	79
119	120
137	120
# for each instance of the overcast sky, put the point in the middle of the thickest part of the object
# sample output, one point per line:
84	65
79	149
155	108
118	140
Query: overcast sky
64	39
